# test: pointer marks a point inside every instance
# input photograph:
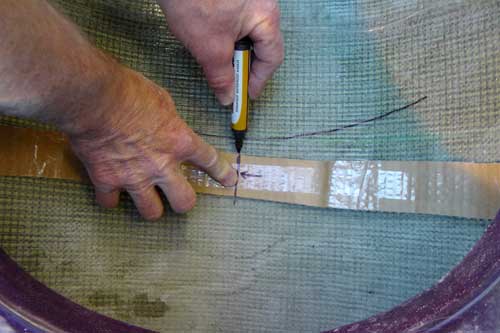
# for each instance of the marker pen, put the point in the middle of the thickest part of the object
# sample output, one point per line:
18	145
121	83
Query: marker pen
239	119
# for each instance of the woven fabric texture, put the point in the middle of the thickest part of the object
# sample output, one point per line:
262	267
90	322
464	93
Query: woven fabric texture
264	266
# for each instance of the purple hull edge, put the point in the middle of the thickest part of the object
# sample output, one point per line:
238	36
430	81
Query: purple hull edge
30	307
467	299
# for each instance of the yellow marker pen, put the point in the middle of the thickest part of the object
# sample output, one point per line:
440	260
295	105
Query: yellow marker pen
239	119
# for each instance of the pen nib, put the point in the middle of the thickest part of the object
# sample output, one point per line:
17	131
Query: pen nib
238	164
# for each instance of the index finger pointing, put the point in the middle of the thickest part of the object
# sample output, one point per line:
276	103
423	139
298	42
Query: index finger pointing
207	158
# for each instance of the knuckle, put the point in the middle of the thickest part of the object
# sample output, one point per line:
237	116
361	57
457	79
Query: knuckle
271	11
184	145
274	12
104	179
138	185
219	82
214	158
280	53
164	165
180	139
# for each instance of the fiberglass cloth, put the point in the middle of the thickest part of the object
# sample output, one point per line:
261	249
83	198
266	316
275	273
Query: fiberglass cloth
264	266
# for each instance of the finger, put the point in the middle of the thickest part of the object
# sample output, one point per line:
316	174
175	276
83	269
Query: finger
107	199
179	193
206	157
148	203
269	53
216	60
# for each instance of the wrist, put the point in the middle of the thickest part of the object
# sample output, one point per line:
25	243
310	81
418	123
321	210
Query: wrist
81	106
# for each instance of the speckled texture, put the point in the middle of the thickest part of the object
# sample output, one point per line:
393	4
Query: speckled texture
275	268
464	301
27	306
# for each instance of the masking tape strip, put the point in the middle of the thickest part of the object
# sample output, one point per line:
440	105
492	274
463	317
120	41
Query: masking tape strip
469	190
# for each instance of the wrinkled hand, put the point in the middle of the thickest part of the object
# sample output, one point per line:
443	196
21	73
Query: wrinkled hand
137	144
210	28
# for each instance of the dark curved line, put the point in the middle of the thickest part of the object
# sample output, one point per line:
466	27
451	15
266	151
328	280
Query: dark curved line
321	132
359	123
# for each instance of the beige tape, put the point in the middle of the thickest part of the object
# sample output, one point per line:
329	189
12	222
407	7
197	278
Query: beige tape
443	188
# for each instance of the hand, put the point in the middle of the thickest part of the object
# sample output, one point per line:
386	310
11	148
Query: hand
210	28
122	126
137	143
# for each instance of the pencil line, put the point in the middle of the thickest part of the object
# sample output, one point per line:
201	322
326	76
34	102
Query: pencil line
320	132
238	162
359	123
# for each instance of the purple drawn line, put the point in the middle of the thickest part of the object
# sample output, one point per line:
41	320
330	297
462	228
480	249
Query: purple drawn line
246	174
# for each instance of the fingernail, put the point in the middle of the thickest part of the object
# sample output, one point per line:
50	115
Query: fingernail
225	99
231	178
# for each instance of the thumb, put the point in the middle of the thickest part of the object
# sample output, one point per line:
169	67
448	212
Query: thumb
216	61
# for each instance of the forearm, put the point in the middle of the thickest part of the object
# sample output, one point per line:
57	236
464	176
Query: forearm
48	70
